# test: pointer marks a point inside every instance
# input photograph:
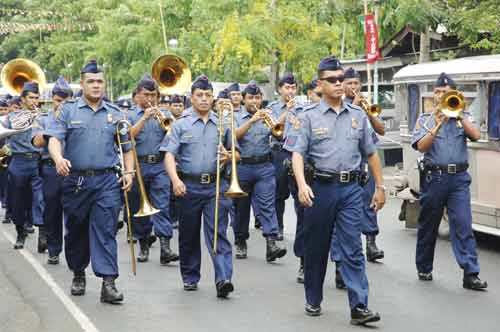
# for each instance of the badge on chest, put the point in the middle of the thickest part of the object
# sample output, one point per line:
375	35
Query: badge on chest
110	118
317	132
354	123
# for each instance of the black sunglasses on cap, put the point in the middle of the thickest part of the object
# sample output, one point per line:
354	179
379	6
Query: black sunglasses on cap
333	79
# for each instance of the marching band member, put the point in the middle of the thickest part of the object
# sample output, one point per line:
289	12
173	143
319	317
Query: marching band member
446	182
235	96
176	106
313	92
192	142
25	184
148	136
52	182
256	175
334	137
91	188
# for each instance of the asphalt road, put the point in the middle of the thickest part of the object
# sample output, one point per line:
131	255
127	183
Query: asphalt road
267	297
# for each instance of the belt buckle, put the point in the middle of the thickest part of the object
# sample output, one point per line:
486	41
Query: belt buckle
151	159
28	155
452	168
89	172
205	178
344	177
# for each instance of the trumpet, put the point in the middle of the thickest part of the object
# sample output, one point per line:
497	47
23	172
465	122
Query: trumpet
164	121
277	128
370	109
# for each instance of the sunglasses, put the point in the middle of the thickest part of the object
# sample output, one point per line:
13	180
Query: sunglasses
333	79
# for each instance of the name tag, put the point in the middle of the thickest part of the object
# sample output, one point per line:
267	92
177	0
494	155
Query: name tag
76	122
320	131
186	136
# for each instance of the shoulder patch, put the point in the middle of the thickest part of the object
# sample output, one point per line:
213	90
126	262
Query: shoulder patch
310	107
113	106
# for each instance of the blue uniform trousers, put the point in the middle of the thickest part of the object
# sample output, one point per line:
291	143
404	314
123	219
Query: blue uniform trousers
91	206
258	181
282	186
298	244
25	192
3	187
337	206
450	191
197	206
53	212
157	185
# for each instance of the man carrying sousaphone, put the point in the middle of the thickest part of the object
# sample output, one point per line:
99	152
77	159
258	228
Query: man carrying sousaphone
193	143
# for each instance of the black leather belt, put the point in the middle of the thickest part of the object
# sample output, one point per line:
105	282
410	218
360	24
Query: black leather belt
276	147
342	177
204	178
48	162
150	158
28	155
448	169
256	160
92	172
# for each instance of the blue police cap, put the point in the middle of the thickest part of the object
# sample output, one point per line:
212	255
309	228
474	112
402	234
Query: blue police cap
444	80
252	88
223	94
15	101
30	87
233	87
8	97
123	103
62	88
313	84
3	103
330	63
79	93
351	73
287	78
91	68
176	99
147	82
201	82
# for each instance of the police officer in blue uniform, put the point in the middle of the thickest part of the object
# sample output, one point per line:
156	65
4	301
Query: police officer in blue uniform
176	106
334	137
313	92
52	182
444	183
91	187
234	94
193	143
287	89
256	175
149	135
25	183
4	110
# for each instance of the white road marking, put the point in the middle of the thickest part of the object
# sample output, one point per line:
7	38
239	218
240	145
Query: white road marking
72	308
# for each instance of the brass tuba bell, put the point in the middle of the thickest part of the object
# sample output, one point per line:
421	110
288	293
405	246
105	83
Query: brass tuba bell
172	74
452	104
19	71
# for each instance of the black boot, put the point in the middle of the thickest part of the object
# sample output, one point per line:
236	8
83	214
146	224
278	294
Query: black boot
300	273
144	251
7	220
152	239
241	249
109	293
257	223
339	281
166	254
21	238
42	239
273	250
362	316
372	251
30	229
78	284
473	282
223	288
280	236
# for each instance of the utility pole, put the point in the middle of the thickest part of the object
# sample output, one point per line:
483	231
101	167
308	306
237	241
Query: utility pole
375	65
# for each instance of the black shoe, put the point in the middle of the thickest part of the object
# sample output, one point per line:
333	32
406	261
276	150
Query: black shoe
224	288
21	238
372	251
120	225
273	250
42	240
152	239
280	236
109	293
339	281
312	311
473	282
241	249
300	275
362	316
257	224
166	254
425	276
78	284
53	260
144	251
190	286
6	220
30	229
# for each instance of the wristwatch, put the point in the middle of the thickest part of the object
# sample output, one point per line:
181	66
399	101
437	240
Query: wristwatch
381	187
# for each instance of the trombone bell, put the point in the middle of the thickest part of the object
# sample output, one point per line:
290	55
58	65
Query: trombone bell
452	104
172	74
19	71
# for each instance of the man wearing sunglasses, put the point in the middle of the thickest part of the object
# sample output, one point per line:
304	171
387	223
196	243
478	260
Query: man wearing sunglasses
334	136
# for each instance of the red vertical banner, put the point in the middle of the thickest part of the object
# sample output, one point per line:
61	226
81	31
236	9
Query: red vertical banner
371	35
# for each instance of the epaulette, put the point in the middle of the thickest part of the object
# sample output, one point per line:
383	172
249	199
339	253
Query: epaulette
271	104
310	107
113	106
425	114
353	107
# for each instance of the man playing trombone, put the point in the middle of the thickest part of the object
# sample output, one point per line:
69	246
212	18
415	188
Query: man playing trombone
91	188
193	142
149	132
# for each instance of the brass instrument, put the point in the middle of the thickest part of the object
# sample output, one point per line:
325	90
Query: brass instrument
234	190
172	74
20	122
452	104
277	128
19	71
164	121
370	109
